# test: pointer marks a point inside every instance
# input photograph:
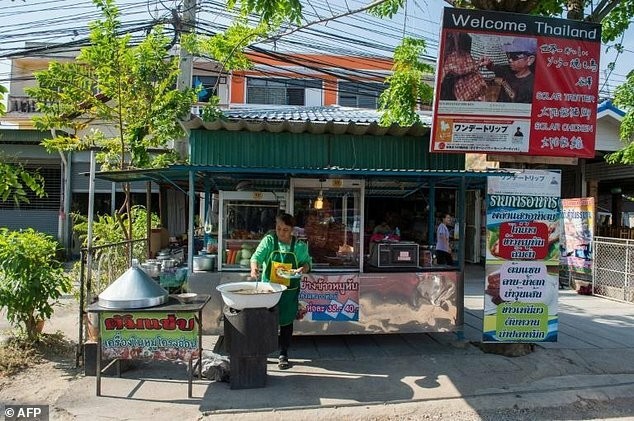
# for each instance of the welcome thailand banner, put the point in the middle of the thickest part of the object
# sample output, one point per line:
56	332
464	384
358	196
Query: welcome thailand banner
576	241
522	257
513	83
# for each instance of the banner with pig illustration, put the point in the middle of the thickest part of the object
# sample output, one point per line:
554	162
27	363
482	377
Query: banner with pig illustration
149	335
522	257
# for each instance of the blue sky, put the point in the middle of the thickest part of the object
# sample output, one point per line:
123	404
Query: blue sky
65	20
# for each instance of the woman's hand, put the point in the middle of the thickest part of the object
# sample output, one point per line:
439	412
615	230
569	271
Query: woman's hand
485	62
255	272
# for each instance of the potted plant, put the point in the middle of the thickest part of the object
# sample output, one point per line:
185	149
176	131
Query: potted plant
31	278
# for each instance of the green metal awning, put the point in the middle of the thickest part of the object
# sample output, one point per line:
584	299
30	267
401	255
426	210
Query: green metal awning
392	183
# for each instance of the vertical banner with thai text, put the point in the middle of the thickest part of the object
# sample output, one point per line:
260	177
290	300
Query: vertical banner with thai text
576	242
522	257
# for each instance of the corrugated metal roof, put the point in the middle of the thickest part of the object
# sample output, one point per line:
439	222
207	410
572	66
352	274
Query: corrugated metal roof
317	120
22	136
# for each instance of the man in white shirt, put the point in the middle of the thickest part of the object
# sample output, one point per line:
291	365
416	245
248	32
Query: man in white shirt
443	249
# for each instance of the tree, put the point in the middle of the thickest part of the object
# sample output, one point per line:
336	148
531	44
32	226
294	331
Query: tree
115	85
406	87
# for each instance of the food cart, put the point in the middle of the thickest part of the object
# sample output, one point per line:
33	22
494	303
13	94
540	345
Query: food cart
351	289
394	287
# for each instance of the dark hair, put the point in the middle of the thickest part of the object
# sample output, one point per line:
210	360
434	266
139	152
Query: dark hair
458	41
286	218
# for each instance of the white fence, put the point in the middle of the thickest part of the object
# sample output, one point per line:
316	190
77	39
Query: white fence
613	268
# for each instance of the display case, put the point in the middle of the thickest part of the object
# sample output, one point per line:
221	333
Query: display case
329	217
246	216
403	254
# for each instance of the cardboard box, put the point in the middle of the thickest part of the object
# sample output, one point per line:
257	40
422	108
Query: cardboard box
159	239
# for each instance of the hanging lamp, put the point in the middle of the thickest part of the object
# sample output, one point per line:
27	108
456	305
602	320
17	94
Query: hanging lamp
319	202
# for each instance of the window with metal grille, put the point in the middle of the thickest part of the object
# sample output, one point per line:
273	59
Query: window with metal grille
52	186
360	94
279	91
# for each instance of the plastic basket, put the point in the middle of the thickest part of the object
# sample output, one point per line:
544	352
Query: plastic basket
173	277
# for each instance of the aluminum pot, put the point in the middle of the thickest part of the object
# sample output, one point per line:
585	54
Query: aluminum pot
203	263
168	263
152	269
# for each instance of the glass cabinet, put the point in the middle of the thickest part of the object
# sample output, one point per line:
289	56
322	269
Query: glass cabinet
246	216
329	217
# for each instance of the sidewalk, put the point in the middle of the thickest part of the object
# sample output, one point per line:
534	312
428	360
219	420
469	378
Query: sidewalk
388	376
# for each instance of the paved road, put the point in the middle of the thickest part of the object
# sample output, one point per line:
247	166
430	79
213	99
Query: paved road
391	376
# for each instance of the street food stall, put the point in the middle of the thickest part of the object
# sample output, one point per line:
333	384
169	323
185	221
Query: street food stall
357	284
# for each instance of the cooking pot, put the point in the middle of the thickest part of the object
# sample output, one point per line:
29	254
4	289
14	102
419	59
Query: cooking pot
203	263
168	263
153	269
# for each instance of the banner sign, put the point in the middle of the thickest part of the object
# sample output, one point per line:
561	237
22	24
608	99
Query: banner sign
149	335
518	84
576	241
330	297
522	257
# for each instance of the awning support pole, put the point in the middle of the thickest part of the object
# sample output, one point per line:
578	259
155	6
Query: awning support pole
461	255
190	227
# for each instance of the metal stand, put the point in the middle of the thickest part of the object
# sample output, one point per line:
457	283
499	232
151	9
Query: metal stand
171	306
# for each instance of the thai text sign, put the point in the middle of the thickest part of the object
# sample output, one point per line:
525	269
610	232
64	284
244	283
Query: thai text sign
149	335
513	83
330	297
522	242
576	244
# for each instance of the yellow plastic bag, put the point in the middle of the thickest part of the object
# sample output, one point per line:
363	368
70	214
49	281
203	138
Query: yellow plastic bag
275	266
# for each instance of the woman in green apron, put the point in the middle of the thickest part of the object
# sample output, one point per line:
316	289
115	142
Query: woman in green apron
280	251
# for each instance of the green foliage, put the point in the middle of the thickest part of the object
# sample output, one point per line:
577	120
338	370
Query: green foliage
110	262
387	9
406	86
3	91
31	278
624	97
269	10
228	47
14	181
617	21
107	228
131	88
533	7
211	111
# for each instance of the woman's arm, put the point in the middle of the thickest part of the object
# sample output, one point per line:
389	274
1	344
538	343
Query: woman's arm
303	258
260	254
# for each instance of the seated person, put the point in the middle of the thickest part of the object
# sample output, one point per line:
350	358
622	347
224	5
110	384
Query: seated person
382	228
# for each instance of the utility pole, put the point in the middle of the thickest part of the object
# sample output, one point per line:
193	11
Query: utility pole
186	25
